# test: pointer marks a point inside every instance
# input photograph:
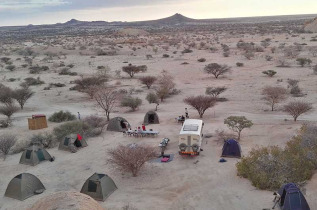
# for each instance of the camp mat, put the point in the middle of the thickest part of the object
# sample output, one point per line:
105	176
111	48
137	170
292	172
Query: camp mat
158	160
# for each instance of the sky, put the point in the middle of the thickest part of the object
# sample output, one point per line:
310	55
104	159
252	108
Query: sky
24	12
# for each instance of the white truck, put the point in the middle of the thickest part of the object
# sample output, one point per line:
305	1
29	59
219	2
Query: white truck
190	137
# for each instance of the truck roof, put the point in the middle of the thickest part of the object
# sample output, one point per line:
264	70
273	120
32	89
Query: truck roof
192	127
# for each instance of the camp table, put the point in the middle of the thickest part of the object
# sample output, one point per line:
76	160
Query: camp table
149	133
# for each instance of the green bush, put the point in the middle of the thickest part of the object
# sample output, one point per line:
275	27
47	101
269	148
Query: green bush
61	116
271	167
131	102
68	128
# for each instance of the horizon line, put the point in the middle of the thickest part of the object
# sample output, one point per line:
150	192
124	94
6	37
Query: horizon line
45	24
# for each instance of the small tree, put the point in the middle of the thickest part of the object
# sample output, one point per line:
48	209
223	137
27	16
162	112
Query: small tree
131	158
107	98
8	110
216	69
6	143
131	102
131	70
238	123
200	103
22	95
215	91
296	108
274	95
269	73
152	99
303	61
148	81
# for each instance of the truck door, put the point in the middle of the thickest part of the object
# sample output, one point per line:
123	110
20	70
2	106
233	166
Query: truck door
189	143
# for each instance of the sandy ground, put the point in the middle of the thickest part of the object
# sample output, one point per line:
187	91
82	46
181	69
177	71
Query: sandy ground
182	183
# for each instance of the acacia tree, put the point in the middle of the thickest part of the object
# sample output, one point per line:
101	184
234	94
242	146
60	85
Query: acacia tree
148	81
166	85
217	69
131	158
296	108
22	95
200	103
107	98
131	70
274	95
238	123
215	91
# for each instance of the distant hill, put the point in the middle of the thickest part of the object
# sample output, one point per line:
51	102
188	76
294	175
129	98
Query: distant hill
172	20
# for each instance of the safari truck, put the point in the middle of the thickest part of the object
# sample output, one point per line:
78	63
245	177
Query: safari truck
190	137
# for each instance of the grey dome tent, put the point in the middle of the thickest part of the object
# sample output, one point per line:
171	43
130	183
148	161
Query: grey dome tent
292	198
231	148
34	155
72	142
151	117
24	186
99	186
118	124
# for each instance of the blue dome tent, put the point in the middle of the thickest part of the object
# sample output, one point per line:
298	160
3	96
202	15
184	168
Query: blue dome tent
231	148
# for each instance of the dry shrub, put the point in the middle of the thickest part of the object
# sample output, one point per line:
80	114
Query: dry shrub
96	124
131	158
46	140
148	81
20	146
8	110
271	167
131	70
6	143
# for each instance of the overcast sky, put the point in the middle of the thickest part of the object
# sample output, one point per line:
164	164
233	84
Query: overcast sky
24	12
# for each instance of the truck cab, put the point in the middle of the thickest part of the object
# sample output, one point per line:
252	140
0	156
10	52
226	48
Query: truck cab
190	137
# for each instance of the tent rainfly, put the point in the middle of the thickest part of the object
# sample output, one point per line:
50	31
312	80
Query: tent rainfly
292	198
118	124
151	117
34	155
99	187
231	148
24	186
72	142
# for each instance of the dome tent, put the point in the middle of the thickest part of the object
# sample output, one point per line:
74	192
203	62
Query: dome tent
118	124
151	117
292	198
72	142
24	186
99	187
231	148
34	155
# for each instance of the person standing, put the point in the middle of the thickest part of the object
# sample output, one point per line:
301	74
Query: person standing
186	113
78	115
143	127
